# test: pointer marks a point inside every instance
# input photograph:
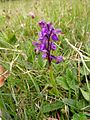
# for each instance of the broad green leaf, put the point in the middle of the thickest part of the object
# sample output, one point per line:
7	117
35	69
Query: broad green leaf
81	104
79	117
77	105
71	79
70	102
52	106
62	82
85	94
71	83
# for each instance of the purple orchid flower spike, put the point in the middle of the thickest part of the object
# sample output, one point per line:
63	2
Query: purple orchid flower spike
47	38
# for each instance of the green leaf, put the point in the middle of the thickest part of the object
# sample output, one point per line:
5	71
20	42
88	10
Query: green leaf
70	102
80	104
85	94
62	82
40	60
79	117
71	79
69	73
4	43
12	40
52	106
76	105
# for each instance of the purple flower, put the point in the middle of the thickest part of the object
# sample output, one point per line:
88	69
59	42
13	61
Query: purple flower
59	59
42	46
52	57
42	24
44	55
35	43
53	46
55	37
47	36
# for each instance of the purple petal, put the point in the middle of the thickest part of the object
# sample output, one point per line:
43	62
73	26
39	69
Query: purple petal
59	59
42	24
54	37
49	26
43	39
44	51
44	55
42	47
44	31
53	46
57	31
40	38
35	44
40	34
52	57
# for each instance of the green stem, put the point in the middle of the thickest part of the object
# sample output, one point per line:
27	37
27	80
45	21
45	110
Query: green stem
53	82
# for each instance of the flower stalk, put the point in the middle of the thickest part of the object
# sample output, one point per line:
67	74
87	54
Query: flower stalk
46	44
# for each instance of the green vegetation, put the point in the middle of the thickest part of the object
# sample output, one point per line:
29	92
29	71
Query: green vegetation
30	93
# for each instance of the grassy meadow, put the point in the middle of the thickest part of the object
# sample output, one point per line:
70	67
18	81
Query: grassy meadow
31	91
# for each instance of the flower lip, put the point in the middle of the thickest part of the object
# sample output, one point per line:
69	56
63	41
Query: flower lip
54	37
44	31
44	55
42	47
53	46
59	59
